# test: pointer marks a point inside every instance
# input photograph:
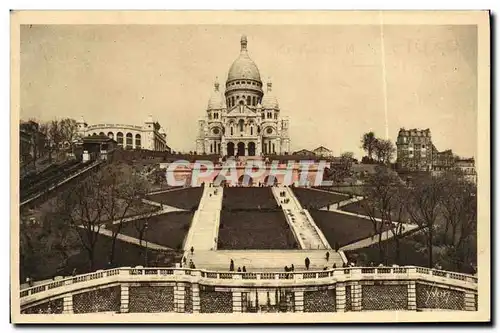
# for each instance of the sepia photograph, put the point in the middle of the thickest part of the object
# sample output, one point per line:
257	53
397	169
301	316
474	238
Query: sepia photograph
252	166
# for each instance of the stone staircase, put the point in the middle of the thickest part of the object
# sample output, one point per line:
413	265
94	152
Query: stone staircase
205	224
265	260
305	230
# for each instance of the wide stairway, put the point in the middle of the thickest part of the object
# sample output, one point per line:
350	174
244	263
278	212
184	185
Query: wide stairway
302	225
205	225
265	260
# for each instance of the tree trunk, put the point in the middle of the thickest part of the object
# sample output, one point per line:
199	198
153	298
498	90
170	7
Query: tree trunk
381	255
396	259
429	247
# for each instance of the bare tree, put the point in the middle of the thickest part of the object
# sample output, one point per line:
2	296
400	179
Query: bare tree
381	201
338	172
384	151
84	205
368	142
423	207
125	189
68	129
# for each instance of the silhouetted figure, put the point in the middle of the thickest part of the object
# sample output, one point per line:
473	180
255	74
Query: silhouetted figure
239	269
192	250
184	260
231	266
292	268
286	268
244	269
325	268
334	266
344	265
307	262
327	256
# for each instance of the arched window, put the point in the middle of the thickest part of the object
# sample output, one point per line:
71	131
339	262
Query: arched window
129	141
274	150
231	129
101	133
138	141
251	130
232	101
249	102
254	99
119	139
111	135
241	123
211	148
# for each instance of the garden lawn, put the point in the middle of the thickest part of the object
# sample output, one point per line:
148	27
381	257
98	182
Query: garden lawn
317	199
168	229
242	230
186	198
342	229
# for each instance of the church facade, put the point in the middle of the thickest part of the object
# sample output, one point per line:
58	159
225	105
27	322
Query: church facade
242	120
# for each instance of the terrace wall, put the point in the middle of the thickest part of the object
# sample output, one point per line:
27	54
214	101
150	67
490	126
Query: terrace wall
184	290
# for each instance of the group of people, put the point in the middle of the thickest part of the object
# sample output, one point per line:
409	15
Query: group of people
231	267
283	195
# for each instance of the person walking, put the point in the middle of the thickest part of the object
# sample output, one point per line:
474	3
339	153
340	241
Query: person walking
327	256
239	269
292	268
192	250
244	269
307	262
231	266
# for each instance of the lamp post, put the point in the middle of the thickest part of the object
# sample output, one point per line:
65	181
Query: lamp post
146	239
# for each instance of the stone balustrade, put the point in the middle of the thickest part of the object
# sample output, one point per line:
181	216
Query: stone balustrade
352	287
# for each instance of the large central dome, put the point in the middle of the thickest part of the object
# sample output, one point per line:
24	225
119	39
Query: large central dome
243	67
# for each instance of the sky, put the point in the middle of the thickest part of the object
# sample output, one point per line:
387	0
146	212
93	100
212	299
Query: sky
333	82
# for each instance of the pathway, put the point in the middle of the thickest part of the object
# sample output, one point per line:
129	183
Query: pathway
132	240
303	227
333	207
264	260
204	228
370	241
165	209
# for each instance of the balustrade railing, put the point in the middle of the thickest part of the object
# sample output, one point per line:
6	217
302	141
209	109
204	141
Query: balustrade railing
354	273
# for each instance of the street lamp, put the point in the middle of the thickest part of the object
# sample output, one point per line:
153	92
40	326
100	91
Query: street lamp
146	239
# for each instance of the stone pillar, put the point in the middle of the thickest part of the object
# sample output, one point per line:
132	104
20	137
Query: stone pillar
237	308
68	304
340	297
124	298
412	296
470	301
299	301
179	292
356	297
196	297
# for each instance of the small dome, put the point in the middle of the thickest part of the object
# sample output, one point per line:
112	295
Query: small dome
269	101
243	67
217	100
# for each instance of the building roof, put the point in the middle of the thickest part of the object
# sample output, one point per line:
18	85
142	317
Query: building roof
243	67
302	151
269	101
322	149
414	132
97	139
217	100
